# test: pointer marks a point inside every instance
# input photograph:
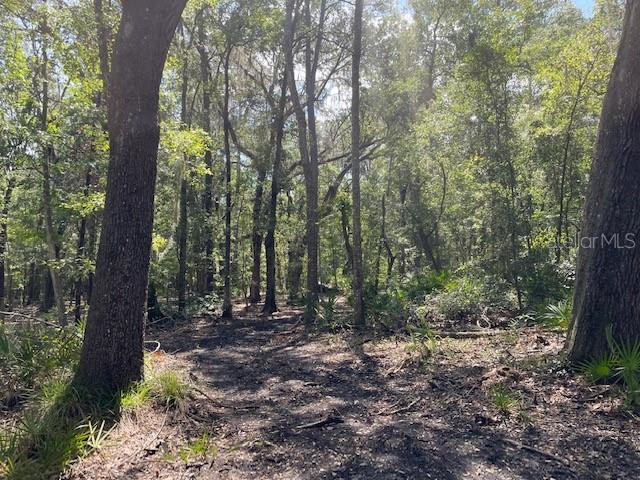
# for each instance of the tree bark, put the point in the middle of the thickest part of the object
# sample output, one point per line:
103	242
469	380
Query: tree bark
47	158
344	224
358	274
207	198
181	234
3	235
112	352
608	275
81	253
227	308
256	236
270	305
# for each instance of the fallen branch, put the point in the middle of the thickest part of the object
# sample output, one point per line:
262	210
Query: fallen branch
472	334
34	319
330	419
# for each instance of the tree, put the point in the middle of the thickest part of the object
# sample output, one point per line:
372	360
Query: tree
358	276
112	352
608	268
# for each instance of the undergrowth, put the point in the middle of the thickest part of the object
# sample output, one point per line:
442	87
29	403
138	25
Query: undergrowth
49	423
621	365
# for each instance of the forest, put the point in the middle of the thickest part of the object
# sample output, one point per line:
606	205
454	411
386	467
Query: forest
319	239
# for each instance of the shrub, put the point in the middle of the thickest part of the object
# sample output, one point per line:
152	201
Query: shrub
424	283
422	340
620	365
466	297
558	315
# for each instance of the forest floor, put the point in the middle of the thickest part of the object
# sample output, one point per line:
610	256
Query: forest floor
274	400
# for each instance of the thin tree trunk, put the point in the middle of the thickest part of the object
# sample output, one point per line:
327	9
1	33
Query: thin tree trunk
227	309
112	352
81	253
207	197
256	236
608	272
358	274
181	234
344	224
270	304
4	214
311	167
47	158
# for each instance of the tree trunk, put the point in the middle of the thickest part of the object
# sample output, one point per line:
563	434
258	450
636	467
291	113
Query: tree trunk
3	235
270	305
344	223
227	309
207	196
47	158
256	236
310	168
181	234
358	275
608	269
112	352
81	253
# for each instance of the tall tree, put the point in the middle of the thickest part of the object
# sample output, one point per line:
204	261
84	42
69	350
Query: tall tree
608	269
270	304
358	275
47	158
112	352
227	307
207	197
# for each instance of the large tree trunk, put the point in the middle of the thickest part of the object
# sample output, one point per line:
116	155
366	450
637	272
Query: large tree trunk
3	235
358	275
227	308
112	352
608	275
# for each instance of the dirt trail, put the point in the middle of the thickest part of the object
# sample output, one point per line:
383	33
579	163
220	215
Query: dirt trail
283	403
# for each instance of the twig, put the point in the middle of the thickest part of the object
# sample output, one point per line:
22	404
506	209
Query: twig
473	334
29	317
400	366
330	419
401	409
544	453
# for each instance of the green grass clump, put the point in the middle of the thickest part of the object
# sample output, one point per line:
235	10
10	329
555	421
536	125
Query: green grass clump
58	426
503	399
201	448
136	397
168	388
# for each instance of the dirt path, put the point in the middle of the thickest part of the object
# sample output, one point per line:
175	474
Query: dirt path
282	403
